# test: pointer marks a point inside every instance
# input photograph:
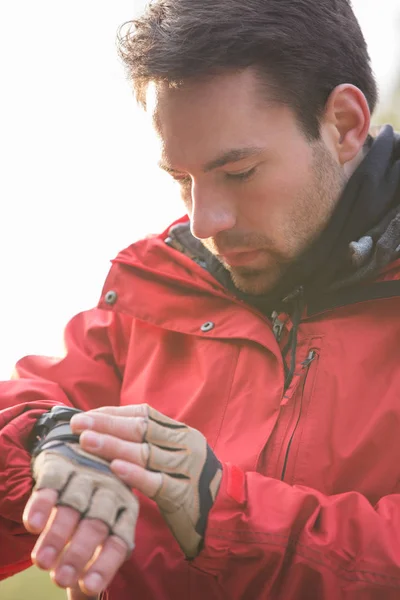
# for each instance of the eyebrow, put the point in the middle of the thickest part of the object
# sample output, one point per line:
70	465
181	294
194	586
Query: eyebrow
231	156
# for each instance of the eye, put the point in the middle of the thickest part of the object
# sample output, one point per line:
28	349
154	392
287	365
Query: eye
241	176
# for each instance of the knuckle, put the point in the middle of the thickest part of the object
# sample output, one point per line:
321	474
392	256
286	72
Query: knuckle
112	425
90	535
144	454
112	446
146	450
119	446
95	527
61	528
46	494
67	514
56	536
46	497
78	556
132	426
142	424
117	546
142	410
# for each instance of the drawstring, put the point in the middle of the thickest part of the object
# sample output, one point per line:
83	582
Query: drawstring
298	300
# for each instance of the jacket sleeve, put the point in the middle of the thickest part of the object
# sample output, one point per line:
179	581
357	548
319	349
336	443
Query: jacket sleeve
267	539
86	377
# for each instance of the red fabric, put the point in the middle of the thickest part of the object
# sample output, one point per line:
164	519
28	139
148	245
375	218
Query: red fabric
329	529
235	487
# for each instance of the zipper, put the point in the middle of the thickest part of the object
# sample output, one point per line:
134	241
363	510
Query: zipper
306	366
277	326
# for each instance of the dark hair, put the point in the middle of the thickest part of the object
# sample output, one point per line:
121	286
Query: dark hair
302	49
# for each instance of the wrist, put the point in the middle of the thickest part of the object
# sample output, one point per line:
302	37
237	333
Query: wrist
53	426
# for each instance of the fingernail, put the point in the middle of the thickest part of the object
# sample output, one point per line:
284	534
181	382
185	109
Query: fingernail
82	422
65	577
93	583
37	521
92	440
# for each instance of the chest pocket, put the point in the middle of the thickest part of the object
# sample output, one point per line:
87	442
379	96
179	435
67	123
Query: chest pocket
280	456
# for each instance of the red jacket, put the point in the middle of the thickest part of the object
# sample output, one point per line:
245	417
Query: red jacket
309	506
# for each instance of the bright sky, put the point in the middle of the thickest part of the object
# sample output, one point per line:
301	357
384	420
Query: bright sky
79	180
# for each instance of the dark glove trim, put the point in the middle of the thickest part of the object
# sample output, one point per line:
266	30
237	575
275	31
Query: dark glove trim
53	419
60	433
78	458
212	465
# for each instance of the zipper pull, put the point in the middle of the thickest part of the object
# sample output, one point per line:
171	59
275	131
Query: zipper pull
277	326
294	295
312	356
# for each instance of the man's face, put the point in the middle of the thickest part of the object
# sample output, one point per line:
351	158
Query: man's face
256	190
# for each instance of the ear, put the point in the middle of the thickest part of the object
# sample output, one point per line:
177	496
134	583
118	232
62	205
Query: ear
346	120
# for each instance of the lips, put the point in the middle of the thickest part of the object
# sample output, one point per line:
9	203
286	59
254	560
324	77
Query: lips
238	259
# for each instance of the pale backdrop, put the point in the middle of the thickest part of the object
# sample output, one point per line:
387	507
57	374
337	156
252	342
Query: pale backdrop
78	175
78	178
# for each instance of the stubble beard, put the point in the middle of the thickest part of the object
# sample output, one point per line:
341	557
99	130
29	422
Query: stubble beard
257	282
312	212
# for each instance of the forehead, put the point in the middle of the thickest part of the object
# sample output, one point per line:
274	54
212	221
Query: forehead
202	118
242	86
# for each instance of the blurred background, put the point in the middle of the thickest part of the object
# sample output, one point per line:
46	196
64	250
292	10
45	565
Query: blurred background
79	178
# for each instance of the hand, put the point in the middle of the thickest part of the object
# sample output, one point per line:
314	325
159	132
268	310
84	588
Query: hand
97	544
68	568
165	460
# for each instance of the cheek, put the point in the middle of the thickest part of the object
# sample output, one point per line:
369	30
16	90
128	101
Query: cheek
262	202
273	196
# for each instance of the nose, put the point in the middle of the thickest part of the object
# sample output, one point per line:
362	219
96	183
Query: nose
211	211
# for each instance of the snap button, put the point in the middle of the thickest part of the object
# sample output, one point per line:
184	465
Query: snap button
111	297
209	326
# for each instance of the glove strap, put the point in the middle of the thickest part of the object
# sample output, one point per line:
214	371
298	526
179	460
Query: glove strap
51	427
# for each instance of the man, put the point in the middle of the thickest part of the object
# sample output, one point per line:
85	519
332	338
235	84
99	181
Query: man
241	369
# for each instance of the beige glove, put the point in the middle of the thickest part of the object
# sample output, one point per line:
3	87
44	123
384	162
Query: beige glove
84	482
191	476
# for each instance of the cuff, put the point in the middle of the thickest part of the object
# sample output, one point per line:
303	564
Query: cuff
223	519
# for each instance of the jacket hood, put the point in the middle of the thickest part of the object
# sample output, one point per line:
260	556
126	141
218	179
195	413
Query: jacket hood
361	238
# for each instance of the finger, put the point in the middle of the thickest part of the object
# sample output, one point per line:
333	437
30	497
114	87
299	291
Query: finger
105	566
130	428
89	535
77	594
38	510
55	537
131	410
138	478
110	448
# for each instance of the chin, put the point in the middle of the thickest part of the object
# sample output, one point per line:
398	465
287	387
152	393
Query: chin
255	285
